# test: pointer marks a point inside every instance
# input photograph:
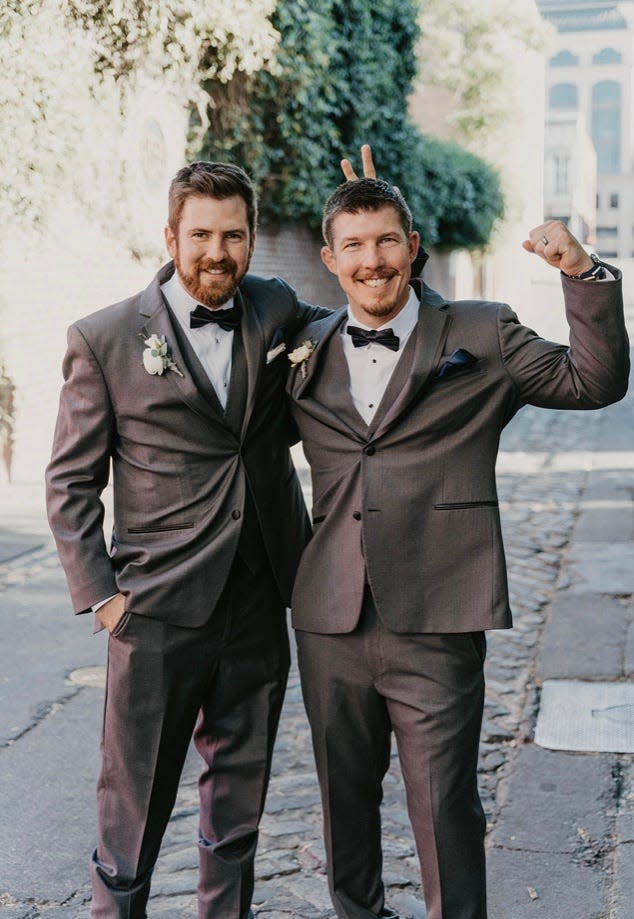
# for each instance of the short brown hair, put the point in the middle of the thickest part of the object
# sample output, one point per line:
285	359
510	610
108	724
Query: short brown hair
212	180
364	195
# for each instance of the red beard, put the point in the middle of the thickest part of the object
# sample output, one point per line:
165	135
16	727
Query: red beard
203	288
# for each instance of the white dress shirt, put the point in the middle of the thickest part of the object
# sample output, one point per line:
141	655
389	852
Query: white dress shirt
211	344
372	365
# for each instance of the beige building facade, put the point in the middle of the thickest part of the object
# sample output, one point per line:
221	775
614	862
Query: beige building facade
590	79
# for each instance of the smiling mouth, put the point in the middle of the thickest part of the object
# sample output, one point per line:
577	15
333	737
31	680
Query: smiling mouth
375	282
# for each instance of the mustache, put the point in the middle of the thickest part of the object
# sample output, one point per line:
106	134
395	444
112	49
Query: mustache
209	264
378	273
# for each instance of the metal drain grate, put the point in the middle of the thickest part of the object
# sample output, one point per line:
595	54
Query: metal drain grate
589	717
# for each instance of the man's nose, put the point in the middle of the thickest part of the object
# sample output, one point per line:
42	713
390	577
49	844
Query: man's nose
372	256
215	248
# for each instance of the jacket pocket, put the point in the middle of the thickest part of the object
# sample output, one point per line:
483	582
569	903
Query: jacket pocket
464	505
161	528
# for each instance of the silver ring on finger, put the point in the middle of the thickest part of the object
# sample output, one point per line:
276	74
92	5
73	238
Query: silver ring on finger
544	239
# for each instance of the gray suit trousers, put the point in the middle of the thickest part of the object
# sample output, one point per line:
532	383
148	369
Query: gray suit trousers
223	682
428	689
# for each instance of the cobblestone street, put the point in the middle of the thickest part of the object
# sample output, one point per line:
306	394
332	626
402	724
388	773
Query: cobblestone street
541	474
539	503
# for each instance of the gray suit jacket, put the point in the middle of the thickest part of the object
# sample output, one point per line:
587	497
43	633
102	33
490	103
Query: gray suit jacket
409	502
180	469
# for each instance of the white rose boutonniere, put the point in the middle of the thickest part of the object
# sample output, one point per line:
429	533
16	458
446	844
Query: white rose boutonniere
156	357
300	355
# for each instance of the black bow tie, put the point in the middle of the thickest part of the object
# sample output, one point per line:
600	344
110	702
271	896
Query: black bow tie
226	319
362	337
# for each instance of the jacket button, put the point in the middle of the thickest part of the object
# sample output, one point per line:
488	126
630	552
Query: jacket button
357	515
236	515
370	450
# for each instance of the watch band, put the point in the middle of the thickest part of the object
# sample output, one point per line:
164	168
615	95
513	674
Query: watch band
596	273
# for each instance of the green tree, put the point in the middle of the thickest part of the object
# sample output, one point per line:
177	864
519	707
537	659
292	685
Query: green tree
471	50
343	77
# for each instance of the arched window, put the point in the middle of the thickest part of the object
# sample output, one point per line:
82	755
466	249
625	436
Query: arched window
563	95
564	59
606	125
607	56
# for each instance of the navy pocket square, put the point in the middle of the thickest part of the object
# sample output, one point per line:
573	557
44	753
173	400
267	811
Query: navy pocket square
456	361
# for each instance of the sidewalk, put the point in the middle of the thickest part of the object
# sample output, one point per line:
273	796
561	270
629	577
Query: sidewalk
561	824
563	844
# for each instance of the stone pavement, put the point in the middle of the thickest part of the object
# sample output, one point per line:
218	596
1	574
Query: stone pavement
561	825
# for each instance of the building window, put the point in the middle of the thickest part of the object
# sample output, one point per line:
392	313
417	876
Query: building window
563	95
564	59
614	199
598	201
606	125
607	56
562	171
606	232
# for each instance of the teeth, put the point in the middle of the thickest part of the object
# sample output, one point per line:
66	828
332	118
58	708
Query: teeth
376	282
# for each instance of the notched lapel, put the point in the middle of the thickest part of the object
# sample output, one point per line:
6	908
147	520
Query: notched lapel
320	334
431	331
155	320
254	344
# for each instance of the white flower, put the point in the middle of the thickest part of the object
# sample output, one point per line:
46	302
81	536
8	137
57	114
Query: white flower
153	362
156	357
300	355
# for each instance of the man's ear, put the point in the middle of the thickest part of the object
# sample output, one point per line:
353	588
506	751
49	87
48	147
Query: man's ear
414	244
170	241
328	259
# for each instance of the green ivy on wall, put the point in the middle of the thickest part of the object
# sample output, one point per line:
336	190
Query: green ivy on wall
343	77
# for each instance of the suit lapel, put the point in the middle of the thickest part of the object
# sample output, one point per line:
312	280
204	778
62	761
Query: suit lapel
192	361
332	385
155	320
397	382
431	333
327	328
327	368
253	341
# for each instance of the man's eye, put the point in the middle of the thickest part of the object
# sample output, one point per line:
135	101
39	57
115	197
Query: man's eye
351	245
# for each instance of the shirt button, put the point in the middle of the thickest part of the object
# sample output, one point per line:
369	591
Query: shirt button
236	515
370	450
357	515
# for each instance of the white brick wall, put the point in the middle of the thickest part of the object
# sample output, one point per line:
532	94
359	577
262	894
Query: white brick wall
73	269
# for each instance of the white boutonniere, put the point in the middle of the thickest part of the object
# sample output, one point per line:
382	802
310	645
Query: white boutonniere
156	357
273	353
300	355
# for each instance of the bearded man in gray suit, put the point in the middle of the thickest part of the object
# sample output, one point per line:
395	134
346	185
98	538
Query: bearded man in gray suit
181	389
400	399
